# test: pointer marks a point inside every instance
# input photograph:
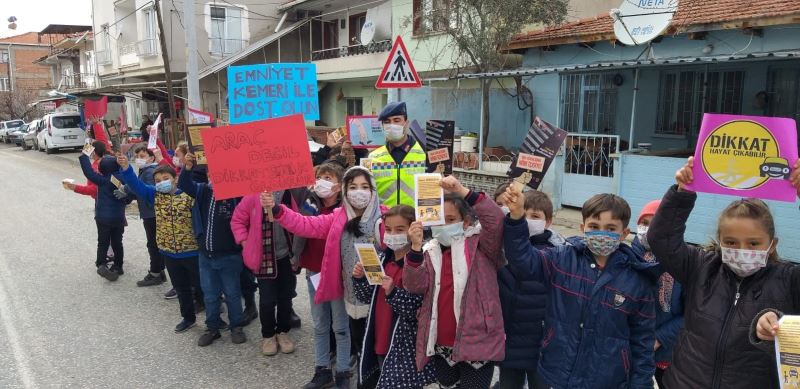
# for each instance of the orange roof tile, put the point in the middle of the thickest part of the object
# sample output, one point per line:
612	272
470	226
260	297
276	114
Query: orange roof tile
690	13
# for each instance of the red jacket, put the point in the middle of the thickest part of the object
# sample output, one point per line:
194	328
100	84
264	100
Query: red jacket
90	189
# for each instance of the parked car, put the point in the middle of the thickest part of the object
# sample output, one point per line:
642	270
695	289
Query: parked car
30	137
15	136
62	131
8	125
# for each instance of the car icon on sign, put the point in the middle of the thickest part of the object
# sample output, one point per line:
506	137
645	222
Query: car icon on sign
775	168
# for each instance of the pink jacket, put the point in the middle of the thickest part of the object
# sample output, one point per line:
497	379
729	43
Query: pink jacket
246	225
329	227
480	335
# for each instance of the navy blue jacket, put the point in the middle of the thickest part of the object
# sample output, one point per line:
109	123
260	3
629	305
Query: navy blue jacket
668	324
146	210
107	209
212	215
599	325
524	299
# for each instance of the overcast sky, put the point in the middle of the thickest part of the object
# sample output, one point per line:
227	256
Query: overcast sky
35	15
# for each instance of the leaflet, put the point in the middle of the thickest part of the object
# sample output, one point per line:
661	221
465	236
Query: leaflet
429	199
371	262
787	351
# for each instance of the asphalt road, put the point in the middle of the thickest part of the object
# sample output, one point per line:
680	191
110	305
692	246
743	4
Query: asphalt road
61	325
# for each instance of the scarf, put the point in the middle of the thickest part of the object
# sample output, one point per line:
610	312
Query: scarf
458	253
370	226
665	285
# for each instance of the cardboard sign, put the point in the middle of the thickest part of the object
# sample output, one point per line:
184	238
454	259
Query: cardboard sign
746	156
537	152
439	135
365	131
194	116
399	71
787	351
429	199
368	256
267	155
196	141
257	92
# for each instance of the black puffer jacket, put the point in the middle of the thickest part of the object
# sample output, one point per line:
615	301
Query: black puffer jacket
713	351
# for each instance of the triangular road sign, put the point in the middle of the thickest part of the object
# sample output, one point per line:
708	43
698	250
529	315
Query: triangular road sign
398	72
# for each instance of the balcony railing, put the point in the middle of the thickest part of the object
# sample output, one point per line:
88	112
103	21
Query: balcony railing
349	51
127	54
147	47
222	47
77	81
103	57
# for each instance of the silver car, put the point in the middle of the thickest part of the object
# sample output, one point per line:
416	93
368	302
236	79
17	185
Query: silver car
9	126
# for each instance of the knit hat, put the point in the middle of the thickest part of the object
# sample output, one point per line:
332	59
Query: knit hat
395	108
108	165
649	210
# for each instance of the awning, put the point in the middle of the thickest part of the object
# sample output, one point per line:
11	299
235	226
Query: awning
626	64
258	45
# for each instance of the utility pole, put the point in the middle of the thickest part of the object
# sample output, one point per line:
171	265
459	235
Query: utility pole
165	58
192	80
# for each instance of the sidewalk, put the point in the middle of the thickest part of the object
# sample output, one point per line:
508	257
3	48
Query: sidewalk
567	222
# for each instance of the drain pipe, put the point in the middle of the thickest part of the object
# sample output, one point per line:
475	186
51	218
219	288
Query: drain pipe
633	109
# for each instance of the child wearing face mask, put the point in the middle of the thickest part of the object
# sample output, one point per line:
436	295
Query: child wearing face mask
174	236
524	298
737	280
669	296
109	215
387	358
356	222
146	163
600	315
460	327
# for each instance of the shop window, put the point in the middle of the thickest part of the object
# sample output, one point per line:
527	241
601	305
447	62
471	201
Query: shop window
684	96
589	103
355	106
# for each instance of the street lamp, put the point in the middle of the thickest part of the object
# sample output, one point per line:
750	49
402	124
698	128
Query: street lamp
12	22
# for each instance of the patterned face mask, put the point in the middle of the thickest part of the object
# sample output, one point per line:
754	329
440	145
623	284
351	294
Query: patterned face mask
602	243
745	262
641	233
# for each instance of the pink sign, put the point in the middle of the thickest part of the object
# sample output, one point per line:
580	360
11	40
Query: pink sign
746	156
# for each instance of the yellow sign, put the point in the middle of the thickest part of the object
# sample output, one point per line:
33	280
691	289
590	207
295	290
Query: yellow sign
429	199
787	351
742	155
368	256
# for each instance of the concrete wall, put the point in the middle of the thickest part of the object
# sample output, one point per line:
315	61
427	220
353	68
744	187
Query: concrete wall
647	178
333	112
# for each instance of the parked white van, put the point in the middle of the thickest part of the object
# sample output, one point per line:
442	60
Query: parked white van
62	131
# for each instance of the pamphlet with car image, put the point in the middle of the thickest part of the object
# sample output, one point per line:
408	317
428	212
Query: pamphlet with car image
787	351
368	256
746	156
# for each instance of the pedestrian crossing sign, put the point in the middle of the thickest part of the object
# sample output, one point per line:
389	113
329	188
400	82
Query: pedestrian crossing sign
398	72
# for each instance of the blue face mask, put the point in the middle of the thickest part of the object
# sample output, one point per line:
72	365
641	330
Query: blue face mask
164	186
448	233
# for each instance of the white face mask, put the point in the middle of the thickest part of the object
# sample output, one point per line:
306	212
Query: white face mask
394	132
323	188
448	233
641	233
359	198
140	162
745	262
535	226
395	241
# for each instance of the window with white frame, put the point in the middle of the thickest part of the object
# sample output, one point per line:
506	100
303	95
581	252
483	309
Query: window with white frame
685	95
5	84
149	43
3	56
103	45
226	33
589	103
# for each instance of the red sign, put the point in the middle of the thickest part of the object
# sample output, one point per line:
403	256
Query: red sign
530	162
267	155
439	155
398	72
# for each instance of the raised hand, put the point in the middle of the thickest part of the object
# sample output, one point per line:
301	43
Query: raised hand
795	177
358	270
267	201
452	185
189	161
415	235
685	176
515	202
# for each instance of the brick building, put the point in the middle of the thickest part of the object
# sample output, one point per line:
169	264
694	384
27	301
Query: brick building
17	69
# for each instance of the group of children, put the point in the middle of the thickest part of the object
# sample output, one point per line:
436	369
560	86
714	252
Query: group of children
494	286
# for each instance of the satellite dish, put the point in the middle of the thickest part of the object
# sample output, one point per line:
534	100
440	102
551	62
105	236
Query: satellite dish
639	21
368	32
